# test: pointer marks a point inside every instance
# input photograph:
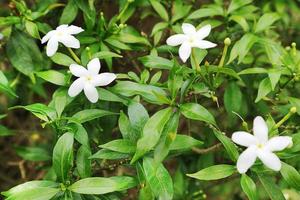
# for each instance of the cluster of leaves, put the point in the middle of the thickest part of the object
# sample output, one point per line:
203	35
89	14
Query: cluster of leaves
163	120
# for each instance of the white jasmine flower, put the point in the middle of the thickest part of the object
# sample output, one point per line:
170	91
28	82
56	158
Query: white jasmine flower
189	39
63	34
88	79
259	146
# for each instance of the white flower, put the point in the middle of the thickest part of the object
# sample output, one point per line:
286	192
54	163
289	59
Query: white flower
259	146
88	79
1	36
191	38
63	34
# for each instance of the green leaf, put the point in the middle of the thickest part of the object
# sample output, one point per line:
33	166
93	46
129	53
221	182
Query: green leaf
242	47
24	54
63	156
106	54
158	7
254	70
236	4
151	93
184	142
39	110
156	62
228	145
264	88
33	153
9	20
159	179
214	172
4	85
168	136
151	132
138	116
32	29
5	131
271	188
33	190
197	112
69	13
100	185
83	163
60	99
107	154
53	76
209	11
62	59
266	21
232	98
107	95
159	27
120	145
290	175
241	21
249	187
90	114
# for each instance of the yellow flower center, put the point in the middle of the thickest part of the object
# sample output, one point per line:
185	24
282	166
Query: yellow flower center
88	78
260	146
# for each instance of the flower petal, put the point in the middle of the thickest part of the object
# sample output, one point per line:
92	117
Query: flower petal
204	31
185	51
94	66
69	41
204	44
76	87
62	27
74	29
176	40
47	36
279	143
269	159
91	93
246	160
188	28
52	47
104	79
78	70
260	129
243	138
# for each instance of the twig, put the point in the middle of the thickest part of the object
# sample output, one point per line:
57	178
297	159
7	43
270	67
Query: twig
207	150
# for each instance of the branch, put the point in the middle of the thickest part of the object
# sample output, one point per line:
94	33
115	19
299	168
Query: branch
207	150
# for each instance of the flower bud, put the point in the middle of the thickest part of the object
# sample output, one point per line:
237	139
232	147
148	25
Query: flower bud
293	109
227	41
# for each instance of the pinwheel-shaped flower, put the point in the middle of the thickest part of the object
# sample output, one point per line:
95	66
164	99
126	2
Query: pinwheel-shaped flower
189	39
259	146
88	79
63	34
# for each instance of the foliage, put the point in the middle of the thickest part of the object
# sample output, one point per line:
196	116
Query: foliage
162	129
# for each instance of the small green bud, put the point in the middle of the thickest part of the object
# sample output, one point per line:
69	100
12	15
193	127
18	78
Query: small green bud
293	109
288	48
227	41
121	26
293	44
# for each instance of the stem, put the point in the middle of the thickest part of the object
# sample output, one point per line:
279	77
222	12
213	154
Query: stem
227	42
74	55
197	65
207	150
293	110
